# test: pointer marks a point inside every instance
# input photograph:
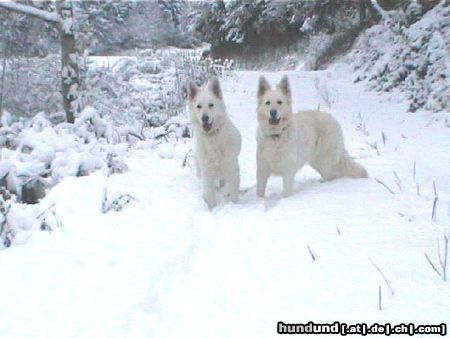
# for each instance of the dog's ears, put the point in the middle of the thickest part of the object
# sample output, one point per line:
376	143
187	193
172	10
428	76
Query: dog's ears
214	86
192	90
263	86
284	86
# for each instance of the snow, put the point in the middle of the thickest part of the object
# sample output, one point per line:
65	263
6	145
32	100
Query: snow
165	266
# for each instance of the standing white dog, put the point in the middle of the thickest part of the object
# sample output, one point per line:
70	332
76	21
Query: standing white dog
287	141
218	142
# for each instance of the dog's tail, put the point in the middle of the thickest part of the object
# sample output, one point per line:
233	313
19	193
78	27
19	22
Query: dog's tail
350	168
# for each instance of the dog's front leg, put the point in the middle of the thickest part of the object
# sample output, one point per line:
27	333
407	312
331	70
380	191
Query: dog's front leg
233	181
262	176
198	170
262	172
288	183
209	189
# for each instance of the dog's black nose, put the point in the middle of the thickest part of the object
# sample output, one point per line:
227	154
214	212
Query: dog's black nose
273	113
205	118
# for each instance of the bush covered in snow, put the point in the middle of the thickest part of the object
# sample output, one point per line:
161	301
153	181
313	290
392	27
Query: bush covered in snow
46	153
144	89
413	59
38	154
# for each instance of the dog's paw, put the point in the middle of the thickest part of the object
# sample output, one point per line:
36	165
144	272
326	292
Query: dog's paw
211	203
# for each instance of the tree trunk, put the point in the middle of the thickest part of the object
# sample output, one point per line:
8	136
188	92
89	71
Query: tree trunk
362	12
2	84
70	72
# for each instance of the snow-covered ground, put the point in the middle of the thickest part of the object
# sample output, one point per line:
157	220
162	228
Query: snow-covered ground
165	266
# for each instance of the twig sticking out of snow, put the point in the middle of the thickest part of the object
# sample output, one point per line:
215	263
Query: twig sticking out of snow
185	160
436	198
312	254
433	211
45	211
382	275
398	181
373	146
442	260
44	223
140	137
338	231
384	185
383	137
432	265
117	204
58	219
379	298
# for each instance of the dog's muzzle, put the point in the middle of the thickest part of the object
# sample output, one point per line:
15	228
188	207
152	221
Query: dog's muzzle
274	119
207	127
206	123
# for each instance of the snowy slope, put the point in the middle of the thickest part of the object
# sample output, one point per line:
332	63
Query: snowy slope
165	266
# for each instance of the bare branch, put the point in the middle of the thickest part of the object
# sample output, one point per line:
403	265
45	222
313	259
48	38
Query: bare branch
398	181
29	10
433	210
379	298
383	13
432	265
384	185
311	253
443	262
382	275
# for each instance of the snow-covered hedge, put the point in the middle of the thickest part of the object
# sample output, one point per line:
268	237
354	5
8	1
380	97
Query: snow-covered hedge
146	88
414	59
38	154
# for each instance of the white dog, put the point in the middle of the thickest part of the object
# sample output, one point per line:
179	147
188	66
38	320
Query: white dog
287	141
218	142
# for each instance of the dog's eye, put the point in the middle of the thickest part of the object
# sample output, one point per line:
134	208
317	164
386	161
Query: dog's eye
267	103
199	106
279	102
211	105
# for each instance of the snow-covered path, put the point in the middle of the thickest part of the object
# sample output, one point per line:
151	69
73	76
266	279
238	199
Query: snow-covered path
165	266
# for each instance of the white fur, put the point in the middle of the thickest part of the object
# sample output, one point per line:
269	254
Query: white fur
310	136
217	149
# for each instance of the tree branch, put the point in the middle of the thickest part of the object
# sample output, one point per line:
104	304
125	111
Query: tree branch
29	10
383	13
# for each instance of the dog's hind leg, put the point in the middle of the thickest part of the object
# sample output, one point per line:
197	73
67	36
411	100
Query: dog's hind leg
348	167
